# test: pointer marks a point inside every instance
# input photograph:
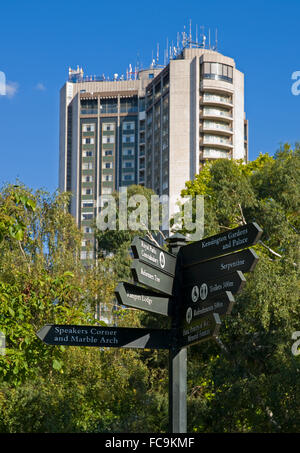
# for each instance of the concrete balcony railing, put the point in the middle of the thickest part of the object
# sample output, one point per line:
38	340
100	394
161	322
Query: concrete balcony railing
216	113
215	154
217	141
216	127
216	99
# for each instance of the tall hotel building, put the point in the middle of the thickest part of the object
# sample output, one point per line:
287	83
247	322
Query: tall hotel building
155	128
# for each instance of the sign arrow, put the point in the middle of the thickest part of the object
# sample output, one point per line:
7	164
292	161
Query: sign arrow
143	299
244	261
199	330
222	305
220	244
146	275
99	336
154	256
202	290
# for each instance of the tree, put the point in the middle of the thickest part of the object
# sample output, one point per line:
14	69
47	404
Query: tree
42	281
251	383
39	279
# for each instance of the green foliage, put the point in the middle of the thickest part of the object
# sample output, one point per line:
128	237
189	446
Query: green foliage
252	385
42	281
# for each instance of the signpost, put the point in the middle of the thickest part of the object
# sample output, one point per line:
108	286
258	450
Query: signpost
143	299
221	244
151	254
193	286
222	305
202	290
99	336
153	278
194	331
244	261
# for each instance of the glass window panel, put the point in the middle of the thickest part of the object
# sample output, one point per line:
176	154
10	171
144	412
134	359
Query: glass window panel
214	68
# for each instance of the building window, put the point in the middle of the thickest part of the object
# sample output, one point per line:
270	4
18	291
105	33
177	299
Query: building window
108	152
86	216
109	106
128	164
88	127
88	204
217	71
88	141
108	165
127	177
128	139
128	126
88	178
87	154
108	127
86	191
128	152
107	178
108	139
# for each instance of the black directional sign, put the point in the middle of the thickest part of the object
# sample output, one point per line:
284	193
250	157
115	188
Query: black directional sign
244	261
154	256
143	299
197	330
148	276
220	244
99	336
221	305
202	290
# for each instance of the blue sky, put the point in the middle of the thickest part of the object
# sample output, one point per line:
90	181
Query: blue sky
39	40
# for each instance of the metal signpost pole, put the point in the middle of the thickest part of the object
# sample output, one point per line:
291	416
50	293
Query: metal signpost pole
177	362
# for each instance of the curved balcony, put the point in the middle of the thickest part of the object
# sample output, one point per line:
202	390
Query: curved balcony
211	153
216	128
216	99
216	113
217	141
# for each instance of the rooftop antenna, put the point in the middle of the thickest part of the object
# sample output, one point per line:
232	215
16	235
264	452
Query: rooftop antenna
209	38
183	37
157	53
190	37
216	39
197	34
178	39
138	61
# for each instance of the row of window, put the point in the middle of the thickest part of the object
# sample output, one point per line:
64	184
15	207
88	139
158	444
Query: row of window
108	139
109	152
217	71
126	125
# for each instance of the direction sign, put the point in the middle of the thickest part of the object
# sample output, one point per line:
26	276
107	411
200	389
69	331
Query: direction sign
154	256
202	290
221	305
244	261
143	299
198	330
146	275
99	336
220	244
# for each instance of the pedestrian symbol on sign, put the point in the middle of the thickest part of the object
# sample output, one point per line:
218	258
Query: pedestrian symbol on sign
195	293
203	291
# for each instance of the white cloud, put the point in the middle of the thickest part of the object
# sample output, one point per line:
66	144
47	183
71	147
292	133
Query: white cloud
11	89
40	86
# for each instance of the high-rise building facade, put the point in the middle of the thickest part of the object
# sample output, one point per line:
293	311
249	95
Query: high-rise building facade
157	129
